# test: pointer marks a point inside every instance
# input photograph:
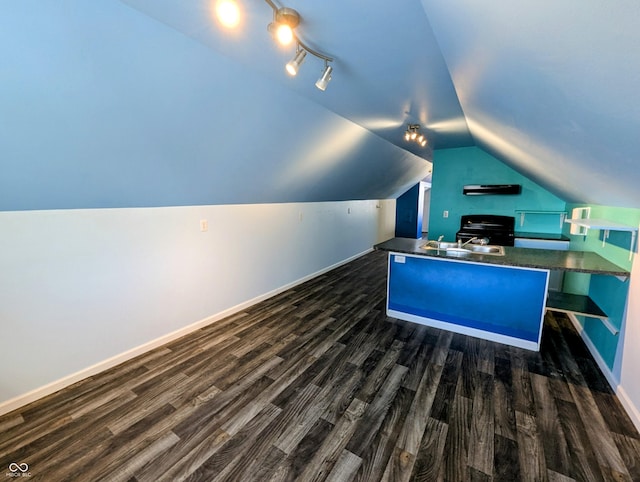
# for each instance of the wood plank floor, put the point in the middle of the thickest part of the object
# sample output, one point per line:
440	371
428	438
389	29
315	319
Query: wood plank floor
318	384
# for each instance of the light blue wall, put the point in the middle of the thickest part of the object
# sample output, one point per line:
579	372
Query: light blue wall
102	106
453	168
608	292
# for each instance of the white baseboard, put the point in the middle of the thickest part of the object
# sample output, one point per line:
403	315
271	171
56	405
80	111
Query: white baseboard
40	392
632	410
627	403
465	330
606	371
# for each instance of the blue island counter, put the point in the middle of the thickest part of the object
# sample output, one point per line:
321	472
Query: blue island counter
498	298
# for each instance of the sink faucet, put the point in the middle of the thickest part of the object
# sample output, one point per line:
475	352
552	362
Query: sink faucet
435	243
462	245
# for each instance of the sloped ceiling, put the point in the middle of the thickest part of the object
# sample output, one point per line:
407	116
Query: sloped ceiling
551	88
151	102
547	87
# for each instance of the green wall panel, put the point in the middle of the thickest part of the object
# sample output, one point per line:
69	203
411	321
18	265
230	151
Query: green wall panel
608	292
453	168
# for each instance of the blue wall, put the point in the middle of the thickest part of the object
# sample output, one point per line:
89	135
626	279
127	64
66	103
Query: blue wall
409	209
453	168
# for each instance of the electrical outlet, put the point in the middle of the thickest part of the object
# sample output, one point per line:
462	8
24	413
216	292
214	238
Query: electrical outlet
445	214
204	225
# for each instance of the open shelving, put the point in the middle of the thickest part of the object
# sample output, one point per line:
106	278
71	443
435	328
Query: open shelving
607	226
578	305
523	214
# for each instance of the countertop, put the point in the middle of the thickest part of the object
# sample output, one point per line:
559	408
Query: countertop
576	261
545	236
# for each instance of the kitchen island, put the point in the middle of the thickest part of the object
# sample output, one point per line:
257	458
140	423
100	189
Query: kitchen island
499	298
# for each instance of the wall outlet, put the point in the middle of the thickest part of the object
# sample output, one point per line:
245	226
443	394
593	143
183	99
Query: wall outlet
445	214
204	225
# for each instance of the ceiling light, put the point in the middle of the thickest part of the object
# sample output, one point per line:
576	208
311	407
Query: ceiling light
413	134
284	34
228	13
294	64
325	78
285	20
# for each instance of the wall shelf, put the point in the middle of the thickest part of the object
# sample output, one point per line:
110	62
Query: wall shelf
578	305
607	226
523	213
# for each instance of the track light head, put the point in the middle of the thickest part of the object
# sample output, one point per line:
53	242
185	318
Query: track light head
285	20
294	65
325	78
228	13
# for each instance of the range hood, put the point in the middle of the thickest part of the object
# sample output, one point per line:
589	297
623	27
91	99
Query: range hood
483	189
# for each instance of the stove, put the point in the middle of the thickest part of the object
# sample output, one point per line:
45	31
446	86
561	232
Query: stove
495	229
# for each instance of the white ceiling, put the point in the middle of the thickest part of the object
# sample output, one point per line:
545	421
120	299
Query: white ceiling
548	87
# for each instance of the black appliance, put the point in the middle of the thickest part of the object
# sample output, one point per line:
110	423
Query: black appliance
483	189
495	229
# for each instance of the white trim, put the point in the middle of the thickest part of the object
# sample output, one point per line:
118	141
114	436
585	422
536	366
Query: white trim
606	371
465	330
625	400
40	392
627	403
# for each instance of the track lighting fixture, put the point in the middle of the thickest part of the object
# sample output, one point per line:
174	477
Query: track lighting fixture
325	78
294	64
285	20
413	134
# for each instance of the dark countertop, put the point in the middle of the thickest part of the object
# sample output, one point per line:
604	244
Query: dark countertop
577	261
546	236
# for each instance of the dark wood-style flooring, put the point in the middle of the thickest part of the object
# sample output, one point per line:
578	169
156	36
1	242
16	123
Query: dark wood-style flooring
318	384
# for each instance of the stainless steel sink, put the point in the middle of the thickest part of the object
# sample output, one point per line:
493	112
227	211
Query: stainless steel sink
476	249
452	249
487	249
440	245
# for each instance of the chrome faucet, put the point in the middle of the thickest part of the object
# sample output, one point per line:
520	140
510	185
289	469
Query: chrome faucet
462	245
435	243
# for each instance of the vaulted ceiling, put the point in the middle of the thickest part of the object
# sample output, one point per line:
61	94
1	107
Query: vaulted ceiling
152	102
